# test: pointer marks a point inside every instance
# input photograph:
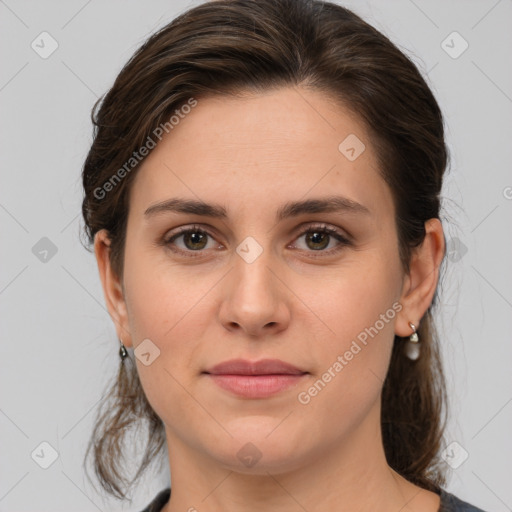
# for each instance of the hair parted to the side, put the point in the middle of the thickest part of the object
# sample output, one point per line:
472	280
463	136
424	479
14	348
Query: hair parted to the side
231	46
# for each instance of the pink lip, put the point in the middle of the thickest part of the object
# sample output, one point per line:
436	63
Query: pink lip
256	379
262	367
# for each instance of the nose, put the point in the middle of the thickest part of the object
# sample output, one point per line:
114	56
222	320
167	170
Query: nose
255	299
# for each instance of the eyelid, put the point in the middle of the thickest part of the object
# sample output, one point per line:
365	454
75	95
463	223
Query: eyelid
312	225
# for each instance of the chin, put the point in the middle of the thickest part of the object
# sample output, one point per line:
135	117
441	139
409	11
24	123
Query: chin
266	450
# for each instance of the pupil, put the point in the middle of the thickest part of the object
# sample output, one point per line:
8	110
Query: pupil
314	237
196	238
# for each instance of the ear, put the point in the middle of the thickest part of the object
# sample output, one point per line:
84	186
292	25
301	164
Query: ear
421	281
112	287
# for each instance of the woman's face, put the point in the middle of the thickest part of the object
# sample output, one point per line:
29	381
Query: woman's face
250	286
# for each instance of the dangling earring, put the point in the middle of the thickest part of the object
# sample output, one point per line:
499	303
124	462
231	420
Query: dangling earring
123	353
412	347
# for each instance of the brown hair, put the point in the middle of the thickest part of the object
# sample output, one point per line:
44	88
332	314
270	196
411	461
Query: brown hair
230	46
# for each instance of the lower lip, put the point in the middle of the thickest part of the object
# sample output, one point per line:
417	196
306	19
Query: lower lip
256	386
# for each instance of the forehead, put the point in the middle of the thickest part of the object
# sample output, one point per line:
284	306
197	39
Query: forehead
281	144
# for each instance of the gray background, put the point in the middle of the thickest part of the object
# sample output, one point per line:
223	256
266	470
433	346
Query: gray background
59	346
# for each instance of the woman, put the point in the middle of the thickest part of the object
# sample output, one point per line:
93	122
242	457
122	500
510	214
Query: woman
262	194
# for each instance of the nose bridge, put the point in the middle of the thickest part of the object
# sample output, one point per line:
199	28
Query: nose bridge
252	276
254	300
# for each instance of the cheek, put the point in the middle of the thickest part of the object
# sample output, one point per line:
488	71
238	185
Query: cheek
160	296
166	308
353	346
356	297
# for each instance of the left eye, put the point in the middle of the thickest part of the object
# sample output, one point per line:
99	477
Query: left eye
195	239
318	238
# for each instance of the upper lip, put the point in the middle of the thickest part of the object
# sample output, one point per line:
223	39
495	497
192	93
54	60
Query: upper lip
262	367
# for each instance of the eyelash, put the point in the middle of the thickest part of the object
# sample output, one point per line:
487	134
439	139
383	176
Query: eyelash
321	228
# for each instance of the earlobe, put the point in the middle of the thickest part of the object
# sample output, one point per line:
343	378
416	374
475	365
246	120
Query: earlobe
421	282
112	288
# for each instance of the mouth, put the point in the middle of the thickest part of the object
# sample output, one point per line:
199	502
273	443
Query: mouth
258	379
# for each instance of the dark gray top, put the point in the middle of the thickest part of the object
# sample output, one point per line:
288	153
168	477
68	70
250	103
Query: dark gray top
449	503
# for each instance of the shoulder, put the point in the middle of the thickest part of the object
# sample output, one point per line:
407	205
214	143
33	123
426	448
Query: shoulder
160	500
450	503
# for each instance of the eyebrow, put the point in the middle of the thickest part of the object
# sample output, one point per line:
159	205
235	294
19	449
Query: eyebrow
290	209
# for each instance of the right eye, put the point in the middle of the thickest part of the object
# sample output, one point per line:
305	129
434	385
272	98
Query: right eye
194	239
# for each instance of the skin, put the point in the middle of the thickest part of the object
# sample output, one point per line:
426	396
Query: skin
252	154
